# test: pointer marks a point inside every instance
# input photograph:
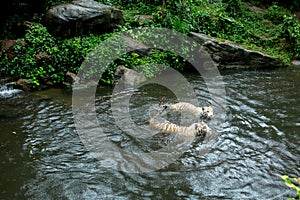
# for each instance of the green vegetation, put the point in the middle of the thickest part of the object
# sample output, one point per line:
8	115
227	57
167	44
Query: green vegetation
292	183
42	59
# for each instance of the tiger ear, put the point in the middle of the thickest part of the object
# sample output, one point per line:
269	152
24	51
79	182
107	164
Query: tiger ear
196	126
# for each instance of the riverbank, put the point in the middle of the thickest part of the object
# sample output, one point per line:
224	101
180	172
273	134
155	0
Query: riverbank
44	59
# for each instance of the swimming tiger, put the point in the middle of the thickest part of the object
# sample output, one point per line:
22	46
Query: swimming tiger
195	129
205	112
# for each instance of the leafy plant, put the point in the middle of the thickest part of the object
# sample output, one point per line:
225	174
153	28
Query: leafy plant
149	66
292	183
291	32
276	13
44	59
32	56
233	7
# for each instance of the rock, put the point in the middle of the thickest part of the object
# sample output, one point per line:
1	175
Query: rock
296	63
143	19
6	80
82	17
229	55
129	76
22	27
257	9
7	47
136	46
24	84
70	78
298	16
42	57
12	85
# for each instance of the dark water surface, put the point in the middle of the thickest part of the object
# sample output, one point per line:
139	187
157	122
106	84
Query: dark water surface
42	156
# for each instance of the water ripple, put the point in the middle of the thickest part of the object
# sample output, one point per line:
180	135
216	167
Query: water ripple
257	140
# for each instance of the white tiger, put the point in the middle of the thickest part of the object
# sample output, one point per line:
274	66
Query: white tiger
195	129
206	112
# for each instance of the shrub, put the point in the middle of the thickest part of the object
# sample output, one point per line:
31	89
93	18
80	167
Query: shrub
32	56
291	32
292	183
42	58
276	14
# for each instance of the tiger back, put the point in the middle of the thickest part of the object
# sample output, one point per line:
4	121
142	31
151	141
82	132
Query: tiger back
184	107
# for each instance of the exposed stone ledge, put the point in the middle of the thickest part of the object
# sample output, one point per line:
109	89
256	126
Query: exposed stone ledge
229	55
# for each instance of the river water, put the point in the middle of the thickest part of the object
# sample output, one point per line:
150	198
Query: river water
42	156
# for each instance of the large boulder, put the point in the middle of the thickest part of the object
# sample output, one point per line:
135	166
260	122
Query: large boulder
128	77
7	47
136	46
229	55
82	17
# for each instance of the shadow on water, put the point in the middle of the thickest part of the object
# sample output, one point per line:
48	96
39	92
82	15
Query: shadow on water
42	156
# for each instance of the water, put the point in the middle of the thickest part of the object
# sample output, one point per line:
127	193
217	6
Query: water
8	92
42	156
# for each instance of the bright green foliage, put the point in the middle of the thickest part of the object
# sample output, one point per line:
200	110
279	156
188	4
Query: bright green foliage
43	58
276	14
290	4
291	32
33	56
272	31
148	66
292	183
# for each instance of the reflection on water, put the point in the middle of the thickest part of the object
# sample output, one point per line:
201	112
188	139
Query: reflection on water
42	156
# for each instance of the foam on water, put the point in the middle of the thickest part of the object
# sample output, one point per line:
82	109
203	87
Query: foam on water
8	92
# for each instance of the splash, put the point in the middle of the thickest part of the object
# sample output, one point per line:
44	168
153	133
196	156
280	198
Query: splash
8	92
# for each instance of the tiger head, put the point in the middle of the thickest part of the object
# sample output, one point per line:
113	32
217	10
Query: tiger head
201	129
207	112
